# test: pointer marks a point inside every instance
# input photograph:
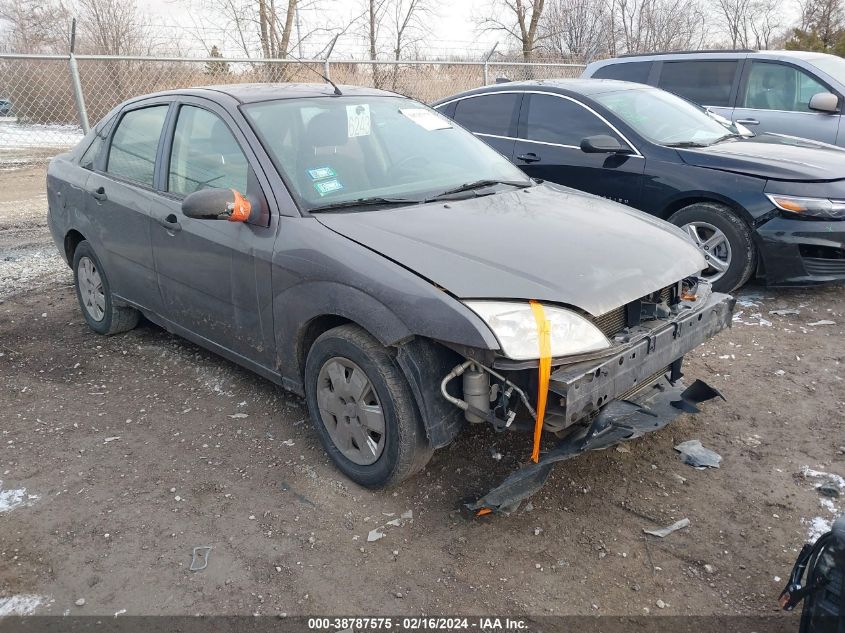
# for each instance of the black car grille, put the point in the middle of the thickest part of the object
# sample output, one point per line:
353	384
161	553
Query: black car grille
613	322
824	267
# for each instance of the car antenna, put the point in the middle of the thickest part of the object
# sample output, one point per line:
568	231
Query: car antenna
313	70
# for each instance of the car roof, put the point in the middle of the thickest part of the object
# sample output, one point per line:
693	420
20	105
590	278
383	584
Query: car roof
584	87
712	54
254	92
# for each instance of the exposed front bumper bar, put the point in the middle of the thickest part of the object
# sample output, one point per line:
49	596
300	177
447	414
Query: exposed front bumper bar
587	386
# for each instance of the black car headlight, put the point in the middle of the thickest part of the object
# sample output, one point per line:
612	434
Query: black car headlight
821	208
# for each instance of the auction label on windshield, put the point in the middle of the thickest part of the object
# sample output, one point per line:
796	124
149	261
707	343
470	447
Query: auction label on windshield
358	120
426	119
410	623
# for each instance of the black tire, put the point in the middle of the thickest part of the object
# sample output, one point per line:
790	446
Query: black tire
406	450
115	319
743	251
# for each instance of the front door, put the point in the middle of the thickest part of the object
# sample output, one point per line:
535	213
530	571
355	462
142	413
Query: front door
551	128
775	97
214	275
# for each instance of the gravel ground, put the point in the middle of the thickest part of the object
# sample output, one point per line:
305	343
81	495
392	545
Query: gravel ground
119	455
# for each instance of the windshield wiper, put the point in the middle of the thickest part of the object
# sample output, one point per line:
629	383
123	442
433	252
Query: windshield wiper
478	184
364	202
726	137
687	144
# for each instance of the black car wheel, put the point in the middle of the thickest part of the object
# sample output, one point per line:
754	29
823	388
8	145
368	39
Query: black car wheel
363	409
94	295
725	241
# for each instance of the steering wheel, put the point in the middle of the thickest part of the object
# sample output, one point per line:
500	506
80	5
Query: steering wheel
407	165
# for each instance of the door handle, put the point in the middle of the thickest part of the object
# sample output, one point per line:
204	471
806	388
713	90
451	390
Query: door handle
99	194
748	121
530	157
170	222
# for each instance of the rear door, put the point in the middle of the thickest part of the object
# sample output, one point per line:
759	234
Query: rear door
775	97
119	197
551	128
214	275
492	117
711	83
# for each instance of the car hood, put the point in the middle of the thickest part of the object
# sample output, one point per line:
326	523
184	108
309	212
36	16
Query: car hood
772	156
546	242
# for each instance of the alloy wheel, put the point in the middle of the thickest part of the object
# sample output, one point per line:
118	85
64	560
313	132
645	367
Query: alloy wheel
715	247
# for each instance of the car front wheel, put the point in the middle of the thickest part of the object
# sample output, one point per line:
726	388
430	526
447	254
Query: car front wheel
725	241
94	295
363	409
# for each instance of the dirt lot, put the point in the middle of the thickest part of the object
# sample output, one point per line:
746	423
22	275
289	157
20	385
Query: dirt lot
119	455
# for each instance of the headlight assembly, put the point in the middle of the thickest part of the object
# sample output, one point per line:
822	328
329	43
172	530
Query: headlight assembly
516	329
822	208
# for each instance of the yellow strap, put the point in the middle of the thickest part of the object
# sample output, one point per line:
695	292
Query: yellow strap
544	334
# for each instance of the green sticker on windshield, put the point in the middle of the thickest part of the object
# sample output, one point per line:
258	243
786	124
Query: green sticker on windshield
328	186
318	173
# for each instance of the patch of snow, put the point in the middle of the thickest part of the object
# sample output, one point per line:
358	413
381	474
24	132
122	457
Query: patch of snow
817	527
20	605
15	136
11	499
820	524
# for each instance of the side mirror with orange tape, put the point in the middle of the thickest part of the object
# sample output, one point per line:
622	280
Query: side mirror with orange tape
217	204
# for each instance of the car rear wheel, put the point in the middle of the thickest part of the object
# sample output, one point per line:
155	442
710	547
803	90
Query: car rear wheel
725	241
94	295
363	409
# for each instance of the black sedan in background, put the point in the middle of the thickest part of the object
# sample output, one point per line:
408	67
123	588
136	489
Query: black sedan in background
771	206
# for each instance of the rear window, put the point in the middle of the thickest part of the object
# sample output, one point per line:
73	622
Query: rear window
488	114
625	71
705	82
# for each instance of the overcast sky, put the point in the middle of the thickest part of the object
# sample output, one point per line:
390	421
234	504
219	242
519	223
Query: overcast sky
452	28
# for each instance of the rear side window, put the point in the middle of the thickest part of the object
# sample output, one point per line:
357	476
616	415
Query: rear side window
135	143
707	82
555	120
205	154
488	114
626	71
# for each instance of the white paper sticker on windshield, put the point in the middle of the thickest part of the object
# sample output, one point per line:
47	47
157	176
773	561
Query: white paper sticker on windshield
357	120
426	119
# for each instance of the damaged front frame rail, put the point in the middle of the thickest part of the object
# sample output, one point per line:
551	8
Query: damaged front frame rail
598	386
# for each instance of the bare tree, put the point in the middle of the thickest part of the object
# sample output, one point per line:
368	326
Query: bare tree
656	25
34	26
520	20
576	29
391	28
113	27
750	23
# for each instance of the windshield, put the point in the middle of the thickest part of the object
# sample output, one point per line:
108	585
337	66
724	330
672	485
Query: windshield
830	64
662	117
342	149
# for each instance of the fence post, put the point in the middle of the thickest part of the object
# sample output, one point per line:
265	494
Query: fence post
77	85
486	60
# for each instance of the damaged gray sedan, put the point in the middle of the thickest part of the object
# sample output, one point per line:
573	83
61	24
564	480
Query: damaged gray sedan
359	249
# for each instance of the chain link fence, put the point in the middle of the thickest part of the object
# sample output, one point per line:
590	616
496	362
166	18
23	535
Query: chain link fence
41	115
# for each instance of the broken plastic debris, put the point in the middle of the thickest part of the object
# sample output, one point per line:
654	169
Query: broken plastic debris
238	416
695	455
408	514
374	535
785	312
822	322
666	531
394	522
199	558
828	489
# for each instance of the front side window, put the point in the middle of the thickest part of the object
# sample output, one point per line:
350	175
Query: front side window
343	149
707	82
557	120
135	143
205	154
780	87
488	114
662	117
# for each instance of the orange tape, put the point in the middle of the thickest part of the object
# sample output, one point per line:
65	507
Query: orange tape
544	334
483	512
241	208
